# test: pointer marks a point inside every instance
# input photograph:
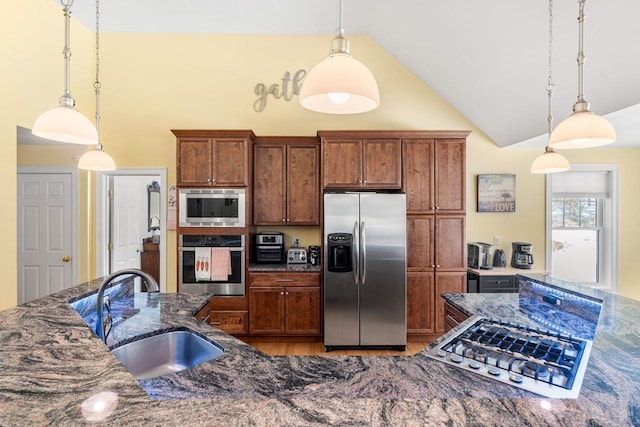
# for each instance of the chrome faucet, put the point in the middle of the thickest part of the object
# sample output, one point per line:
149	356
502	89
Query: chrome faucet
104	302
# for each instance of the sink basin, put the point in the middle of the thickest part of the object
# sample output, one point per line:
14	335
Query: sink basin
166	353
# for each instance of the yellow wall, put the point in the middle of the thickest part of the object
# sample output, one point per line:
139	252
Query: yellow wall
152	83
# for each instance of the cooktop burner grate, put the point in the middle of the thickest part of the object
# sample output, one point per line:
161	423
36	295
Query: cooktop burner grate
543	362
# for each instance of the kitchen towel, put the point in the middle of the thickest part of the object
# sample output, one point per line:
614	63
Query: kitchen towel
203	264
220	263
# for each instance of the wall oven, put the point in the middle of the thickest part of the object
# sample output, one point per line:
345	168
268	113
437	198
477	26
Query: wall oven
232	284
212	207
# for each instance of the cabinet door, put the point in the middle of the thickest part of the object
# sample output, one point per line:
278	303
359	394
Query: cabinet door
230	162
381	164
194	162
450	246
302	311
269	184
420	243
303	184
418	170
450	176
341	163
447	282
266	311
420	310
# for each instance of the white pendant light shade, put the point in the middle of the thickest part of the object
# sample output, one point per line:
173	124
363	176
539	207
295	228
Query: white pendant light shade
550	162
96	160
340	84
65	124
583	129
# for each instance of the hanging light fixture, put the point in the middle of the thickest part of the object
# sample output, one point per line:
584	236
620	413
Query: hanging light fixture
64	123
582	129
96	159
340	84
550	161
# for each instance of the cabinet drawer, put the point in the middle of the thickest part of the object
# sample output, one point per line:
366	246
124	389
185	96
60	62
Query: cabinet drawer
453	316
497	284
284	279
204	313
231	322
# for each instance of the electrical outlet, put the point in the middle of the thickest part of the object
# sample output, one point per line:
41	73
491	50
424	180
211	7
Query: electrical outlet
496	240
295	242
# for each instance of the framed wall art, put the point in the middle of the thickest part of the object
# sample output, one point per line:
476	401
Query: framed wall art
497	193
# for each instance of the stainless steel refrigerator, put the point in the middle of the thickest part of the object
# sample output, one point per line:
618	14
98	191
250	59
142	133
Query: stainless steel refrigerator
365	270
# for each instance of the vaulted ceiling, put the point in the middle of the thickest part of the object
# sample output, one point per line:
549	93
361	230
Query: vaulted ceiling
486	58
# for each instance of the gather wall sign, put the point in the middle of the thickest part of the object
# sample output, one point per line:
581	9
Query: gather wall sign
286	89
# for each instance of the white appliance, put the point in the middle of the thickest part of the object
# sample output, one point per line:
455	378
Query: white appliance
365	270
212	207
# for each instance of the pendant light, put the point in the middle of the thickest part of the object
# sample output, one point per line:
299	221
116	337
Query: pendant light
582	129
96	159
340	84
550	161
64	123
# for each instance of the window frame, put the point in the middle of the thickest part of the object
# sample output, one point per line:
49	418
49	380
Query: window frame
608	256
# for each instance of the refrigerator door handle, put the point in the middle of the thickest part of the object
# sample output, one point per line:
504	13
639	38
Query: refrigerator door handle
356	253
363	247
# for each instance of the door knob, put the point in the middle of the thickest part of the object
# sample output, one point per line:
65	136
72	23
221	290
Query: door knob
66	258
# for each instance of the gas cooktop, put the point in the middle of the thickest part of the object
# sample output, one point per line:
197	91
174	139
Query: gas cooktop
541	361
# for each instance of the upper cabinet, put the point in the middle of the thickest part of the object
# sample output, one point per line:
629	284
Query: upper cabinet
434	178
286	184
360	160
207	158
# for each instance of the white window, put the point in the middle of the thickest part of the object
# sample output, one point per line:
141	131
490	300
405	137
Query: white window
582	225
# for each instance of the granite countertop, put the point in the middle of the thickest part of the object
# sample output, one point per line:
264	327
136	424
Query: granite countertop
504	271
293	268
52	368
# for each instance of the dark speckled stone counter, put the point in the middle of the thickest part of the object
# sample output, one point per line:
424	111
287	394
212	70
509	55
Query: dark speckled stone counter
285	268
53	368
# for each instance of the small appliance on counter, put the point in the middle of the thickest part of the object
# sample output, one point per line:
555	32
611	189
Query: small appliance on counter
296	255
521	256
499	258
269	247
313	253
479	255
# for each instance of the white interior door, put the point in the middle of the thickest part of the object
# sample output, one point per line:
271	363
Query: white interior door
45	234
128	212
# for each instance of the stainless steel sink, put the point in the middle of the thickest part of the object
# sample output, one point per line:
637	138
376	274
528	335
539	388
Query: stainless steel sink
166	353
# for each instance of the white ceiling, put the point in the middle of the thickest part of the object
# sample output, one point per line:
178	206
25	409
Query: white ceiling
487	58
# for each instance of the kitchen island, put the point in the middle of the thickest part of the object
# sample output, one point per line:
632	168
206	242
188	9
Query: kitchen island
55	371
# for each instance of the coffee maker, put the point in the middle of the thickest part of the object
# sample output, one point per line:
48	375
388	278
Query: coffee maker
521	256
479	255
314	255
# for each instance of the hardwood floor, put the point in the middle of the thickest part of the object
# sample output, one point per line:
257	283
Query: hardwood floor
317	349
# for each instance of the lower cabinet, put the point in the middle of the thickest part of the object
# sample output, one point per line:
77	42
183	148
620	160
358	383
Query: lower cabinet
204	313
229	314
284	304
452	316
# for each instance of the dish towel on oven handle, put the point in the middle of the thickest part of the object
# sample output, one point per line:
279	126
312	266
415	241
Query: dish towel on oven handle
203	264
220	263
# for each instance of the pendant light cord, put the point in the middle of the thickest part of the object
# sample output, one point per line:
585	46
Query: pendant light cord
550	85
66	99
581	104
97	84
341	19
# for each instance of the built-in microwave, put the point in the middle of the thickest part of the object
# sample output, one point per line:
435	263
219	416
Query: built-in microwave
212	207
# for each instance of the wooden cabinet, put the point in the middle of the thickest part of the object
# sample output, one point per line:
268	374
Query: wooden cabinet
452	316
286	181
204	313
212	158
434	181
284	304
360	160
230	314
150	259
434	175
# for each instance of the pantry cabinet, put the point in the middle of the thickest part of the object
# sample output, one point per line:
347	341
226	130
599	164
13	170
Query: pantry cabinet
286	181
360	160
283	304
212	158
434	181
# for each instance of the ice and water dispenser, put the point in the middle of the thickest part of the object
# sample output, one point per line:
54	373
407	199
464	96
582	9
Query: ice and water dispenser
340	259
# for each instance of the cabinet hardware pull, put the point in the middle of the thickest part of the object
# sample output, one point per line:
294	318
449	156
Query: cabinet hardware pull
206	319
66	258
216	323
284	280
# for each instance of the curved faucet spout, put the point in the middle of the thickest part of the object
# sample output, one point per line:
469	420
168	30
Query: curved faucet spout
152	286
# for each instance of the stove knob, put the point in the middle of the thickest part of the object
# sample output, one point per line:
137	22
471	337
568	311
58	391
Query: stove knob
442	353
515	378
474	364
494	371
456	358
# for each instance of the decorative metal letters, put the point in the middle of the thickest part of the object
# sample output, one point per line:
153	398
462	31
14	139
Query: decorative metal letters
286	91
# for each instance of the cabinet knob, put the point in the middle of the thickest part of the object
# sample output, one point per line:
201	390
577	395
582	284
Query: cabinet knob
437	265
282	293
284	220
